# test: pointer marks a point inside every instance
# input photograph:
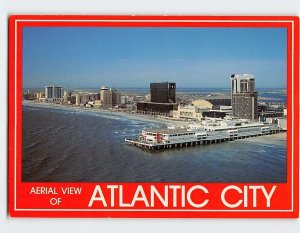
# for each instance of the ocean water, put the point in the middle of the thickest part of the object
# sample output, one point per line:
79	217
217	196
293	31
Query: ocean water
73	145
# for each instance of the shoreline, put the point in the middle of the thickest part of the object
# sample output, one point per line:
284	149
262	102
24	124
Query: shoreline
282	136
130	116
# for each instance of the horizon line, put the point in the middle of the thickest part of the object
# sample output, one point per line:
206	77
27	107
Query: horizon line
148	87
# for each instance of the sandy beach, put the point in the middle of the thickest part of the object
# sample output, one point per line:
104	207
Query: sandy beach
132	116
280	137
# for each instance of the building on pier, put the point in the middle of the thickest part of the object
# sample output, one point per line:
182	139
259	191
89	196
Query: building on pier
176	135
209	134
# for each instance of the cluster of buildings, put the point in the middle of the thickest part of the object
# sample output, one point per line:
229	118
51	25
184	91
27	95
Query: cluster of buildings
51	94
214	121
105	98
243	103
215	118
162	100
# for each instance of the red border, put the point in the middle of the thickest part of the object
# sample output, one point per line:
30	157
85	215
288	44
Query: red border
25	201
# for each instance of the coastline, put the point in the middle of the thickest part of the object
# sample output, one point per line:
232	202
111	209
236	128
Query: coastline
56	139
280	137
131	116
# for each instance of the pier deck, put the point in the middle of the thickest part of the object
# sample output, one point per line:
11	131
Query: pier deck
212	138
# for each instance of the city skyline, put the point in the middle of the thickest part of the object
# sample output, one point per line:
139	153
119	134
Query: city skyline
134	57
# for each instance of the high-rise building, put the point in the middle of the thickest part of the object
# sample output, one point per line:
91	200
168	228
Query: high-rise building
77	99
54	93
243	96
106	97
123	99
163	92
163	99
116	97
66	96
38	95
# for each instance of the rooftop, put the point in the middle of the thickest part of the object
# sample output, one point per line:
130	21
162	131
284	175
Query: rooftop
202	103
167	131
242	76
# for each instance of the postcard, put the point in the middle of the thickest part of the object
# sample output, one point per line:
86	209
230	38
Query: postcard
153	116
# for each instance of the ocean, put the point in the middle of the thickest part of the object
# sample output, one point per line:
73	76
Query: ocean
63	144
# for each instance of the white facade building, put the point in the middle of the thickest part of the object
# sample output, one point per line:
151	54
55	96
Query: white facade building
54	93
106	97
187	112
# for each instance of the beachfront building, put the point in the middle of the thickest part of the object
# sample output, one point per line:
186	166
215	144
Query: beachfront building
77	100
87	98
109	97
53	93
243	96
106	97
163	92
152	108
123	99
187	113
40	96
163	99
218	111
66	96
84	99
116	97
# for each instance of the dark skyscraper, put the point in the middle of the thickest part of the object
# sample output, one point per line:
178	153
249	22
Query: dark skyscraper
243	96
116	97
163	92
163	99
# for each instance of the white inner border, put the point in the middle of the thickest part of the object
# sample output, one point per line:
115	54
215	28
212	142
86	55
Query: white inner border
155	210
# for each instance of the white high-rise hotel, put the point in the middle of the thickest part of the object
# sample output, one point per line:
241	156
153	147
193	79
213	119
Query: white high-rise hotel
109	97
54	93
106	97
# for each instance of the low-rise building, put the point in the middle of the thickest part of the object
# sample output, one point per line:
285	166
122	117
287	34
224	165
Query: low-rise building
156	108
187	113
280	121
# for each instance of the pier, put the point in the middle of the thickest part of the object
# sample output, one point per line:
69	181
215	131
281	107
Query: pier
212	138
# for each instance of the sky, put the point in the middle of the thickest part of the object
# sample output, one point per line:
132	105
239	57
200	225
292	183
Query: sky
89	57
